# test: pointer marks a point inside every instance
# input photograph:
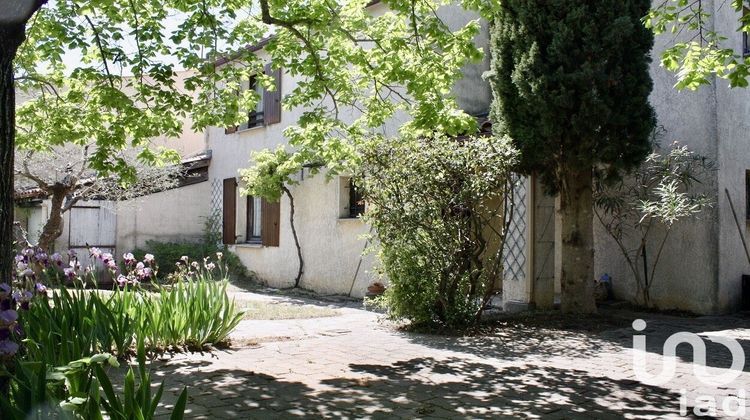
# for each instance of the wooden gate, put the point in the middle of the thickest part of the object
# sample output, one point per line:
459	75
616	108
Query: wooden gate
92	225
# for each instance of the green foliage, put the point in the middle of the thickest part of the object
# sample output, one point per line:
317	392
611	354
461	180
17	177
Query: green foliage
82	389
196	312
193	313
32	394
439	207
138	403
640	211
404	60
75	322
704	54
271	171
571	85
344	54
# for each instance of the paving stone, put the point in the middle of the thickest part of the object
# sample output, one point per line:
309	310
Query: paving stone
353	366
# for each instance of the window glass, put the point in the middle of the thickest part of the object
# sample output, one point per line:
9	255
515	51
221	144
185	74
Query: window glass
253	233
356	201
255	115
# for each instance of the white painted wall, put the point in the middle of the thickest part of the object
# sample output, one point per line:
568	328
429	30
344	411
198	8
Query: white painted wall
176	215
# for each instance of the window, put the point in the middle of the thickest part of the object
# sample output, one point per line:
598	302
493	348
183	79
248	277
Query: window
356	201
268	109
263	218
352	204
745	34
254	116
229	219
254	225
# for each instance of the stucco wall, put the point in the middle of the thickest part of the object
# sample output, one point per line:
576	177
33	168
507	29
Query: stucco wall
733	138
331	246
690	266
174	215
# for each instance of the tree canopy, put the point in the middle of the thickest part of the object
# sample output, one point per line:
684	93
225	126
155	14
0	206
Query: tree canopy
107	70
705	51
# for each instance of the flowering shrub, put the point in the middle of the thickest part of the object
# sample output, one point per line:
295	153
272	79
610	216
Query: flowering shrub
60	325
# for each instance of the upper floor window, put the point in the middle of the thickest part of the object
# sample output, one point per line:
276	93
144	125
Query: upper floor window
255	115
268	109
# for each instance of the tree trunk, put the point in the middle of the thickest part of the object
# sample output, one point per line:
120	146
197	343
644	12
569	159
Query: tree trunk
575	212
11	37
294	233
54	226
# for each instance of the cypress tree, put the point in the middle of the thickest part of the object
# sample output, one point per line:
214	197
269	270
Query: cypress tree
571	82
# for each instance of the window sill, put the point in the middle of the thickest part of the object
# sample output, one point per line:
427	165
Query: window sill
249	245
350	219
245	130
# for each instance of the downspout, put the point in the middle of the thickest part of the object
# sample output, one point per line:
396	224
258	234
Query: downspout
715	307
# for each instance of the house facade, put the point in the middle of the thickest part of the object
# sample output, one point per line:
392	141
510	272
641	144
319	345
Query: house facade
701	267
330	233
703	262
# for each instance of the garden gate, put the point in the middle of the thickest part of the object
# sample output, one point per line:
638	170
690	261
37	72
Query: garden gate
93	224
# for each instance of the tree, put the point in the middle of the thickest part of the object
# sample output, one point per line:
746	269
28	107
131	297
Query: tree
643	208
269	177
571	83
704	53
66	176
119	90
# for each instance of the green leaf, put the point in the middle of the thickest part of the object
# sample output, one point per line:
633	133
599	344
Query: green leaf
178	413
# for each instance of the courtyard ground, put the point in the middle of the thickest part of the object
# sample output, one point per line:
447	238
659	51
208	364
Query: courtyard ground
355	365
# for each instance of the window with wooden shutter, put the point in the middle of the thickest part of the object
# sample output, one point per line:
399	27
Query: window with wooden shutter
229	216
270	221
272	99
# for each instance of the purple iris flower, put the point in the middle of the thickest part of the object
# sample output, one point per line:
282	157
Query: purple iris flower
41	289
8	317
8	348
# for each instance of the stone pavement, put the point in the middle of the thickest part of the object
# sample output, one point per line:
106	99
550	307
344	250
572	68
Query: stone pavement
357	366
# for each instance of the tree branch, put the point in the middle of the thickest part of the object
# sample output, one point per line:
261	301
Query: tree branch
101	50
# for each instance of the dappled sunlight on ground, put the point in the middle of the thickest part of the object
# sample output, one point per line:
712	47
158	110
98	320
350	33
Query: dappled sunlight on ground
356	366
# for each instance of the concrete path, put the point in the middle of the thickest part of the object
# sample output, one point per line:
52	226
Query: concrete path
357	366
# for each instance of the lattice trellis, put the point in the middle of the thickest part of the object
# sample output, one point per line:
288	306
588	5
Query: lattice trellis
217	204
514	254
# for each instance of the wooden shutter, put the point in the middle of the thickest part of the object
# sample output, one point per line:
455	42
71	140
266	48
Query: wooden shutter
272	99
229	220
270	214
230	130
